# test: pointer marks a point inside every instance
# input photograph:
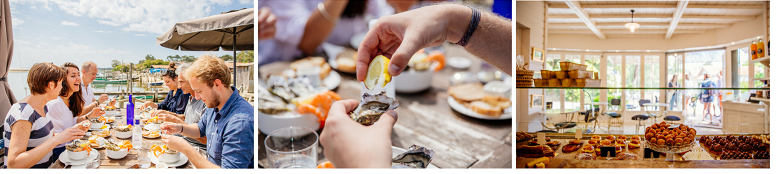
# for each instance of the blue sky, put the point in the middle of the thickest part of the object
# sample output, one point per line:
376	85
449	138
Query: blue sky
75	31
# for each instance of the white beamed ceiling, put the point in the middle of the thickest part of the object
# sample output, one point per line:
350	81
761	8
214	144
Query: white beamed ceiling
653	16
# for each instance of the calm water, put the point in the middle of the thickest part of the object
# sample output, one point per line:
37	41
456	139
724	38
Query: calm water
18	82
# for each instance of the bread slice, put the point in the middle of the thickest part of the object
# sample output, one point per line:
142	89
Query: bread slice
485	109
345	64
467	92
325	69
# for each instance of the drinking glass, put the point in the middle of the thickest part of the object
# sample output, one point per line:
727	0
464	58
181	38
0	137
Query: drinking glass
292	147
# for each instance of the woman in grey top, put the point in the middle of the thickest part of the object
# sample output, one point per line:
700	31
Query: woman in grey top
192	113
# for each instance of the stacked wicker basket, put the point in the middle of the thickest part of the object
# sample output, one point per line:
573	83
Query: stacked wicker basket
570	75
524	78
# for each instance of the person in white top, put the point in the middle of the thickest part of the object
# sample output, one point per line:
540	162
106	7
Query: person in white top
302	26
65	110
89	71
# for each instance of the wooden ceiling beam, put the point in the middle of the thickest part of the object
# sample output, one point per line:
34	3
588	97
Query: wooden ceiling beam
582	14
680	7
645	6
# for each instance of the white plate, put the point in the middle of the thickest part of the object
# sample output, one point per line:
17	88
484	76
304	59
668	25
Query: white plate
92	155
395	151
182	161
355	41
160	135
108	128
332	80
459	62
270	123
468	112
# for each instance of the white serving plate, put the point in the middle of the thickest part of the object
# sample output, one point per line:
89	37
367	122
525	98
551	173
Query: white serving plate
65	158
468	112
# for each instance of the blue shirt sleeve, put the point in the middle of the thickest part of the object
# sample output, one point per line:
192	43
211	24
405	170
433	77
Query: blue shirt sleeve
207	115
238	144
164	104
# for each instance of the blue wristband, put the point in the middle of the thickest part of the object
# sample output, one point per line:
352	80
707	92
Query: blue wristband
472	26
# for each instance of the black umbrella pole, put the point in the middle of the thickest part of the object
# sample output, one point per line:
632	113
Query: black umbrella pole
234	53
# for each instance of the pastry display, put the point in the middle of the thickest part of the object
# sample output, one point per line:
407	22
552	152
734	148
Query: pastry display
535	151
568	148
522	136
661	135
627	156
762	155
585	156
538	163
735	155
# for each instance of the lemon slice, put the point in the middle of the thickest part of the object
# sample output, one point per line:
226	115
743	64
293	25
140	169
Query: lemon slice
377	73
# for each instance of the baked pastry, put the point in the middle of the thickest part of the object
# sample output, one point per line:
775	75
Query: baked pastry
585	156
636	137
611	137
622	137
735	155
587	148
595	137
538	163
627	156
483	108
619	142
497	101
762	155
606	143
467	92
731	146
534	151
634	144
522	136
716	149
576	142
571	148
703	139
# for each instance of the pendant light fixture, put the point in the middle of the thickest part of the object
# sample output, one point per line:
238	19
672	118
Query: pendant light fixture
632	25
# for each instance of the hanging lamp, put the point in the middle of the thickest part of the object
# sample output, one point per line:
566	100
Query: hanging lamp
632	25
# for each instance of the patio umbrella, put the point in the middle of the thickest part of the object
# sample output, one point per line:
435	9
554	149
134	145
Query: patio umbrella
229	31
6	51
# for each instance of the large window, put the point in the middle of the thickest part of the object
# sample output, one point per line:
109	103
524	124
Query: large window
553	95
613	76
674	72
632	79
652	78
593	63
572	95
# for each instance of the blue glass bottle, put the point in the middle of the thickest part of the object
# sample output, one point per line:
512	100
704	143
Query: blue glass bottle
131	111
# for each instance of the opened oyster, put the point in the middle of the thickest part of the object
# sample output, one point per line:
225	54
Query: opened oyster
417	157
371	107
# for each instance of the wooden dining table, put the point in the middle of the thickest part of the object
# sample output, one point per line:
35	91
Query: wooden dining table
129	160
426	119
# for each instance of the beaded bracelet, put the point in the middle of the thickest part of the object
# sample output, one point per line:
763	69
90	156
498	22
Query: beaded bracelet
472	26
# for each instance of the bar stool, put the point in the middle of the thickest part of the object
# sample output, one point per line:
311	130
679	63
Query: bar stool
615	118
590	116
640	118
672	119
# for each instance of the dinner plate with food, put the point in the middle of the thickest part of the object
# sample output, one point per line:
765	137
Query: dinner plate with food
316	69
98	123
282	106
341	58
162	154
101	133
123	132
472	100
151	134
78	152
117	149
96	142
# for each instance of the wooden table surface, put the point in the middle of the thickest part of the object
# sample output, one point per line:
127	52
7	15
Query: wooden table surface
426	119
126	162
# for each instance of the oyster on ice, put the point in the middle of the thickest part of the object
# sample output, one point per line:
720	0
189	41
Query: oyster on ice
371	107
417	157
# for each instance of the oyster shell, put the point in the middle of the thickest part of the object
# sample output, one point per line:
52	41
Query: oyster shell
371	107
417	157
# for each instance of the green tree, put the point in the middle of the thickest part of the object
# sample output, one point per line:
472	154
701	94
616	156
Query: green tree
175	58
149	57
115	63
245	56
226	57
188	59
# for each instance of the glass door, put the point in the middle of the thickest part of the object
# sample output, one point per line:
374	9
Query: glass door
705	69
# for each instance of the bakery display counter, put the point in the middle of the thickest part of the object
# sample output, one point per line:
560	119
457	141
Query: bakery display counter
708	151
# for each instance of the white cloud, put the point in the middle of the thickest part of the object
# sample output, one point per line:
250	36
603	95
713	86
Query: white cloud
72	52
100	31
246	1
69	23
15	22
56	38
141	15
140	35
33	7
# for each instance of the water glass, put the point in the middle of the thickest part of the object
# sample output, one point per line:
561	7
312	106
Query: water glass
292	147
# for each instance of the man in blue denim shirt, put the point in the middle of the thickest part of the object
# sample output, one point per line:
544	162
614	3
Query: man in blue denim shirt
227	122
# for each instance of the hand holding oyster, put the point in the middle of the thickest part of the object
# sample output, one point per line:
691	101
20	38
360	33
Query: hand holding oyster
372	107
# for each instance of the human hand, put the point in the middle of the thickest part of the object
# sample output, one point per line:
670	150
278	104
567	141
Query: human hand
401	5
69	134
176	143
148	104
158	112
266	23
172	127
170	118
343	139
400	36
96	113
83	125
103	98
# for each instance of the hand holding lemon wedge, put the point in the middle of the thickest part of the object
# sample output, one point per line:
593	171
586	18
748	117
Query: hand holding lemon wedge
377	73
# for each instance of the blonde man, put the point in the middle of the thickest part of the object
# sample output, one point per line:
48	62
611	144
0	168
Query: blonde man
227	122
